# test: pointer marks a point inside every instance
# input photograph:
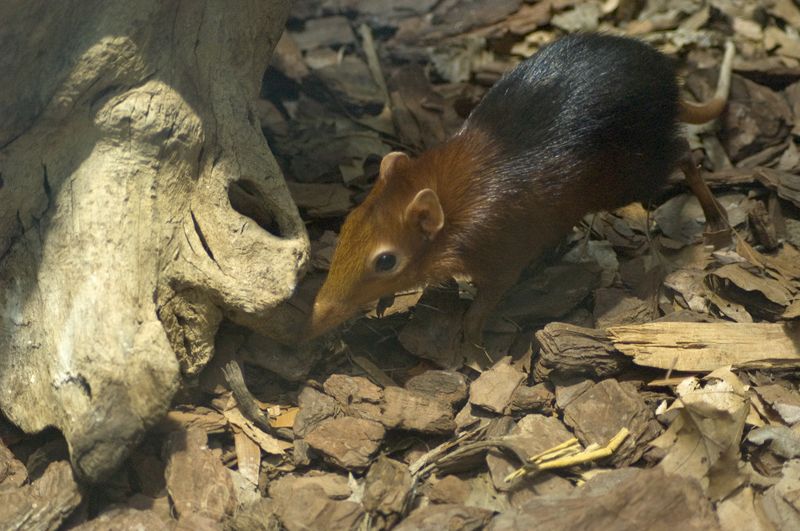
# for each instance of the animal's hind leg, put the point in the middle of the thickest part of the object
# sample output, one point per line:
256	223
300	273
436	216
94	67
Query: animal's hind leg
717	228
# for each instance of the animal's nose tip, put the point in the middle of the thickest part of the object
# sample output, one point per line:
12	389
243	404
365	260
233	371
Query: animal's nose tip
320	321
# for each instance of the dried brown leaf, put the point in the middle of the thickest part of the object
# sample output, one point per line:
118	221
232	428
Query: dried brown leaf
703	440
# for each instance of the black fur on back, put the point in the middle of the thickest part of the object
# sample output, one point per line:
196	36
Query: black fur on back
596	109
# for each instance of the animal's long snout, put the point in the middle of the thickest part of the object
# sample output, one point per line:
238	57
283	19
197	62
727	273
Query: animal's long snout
324	316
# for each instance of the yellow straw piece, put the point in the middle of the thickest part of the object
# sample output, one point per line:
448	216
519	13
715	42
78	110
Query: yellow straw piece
555	457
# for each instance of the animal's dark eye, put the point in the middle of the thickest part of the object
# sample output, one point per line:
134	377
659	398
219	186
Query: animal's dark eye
385	262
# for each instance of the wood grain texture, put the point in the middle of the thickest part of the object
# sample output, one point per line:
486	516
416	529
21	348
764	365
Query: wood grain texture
707	346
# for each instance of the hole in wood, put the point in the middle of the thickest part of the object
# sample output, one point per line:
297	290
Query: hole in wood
247	199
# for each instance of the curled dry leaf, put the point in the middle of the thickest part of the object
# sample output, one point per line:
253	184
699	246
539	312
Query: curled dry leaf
781	440
783	401
760	294
703	439
780	502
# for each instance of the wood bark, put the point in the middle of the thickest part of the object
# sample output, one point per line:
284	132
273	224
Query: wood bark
139	206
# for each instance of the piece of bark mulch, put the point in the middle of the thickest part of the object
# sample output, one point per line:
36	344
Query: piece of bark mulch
394	407
309	508
533	434
197	481
257	516
334	485
347	442
450	489
448	387
387	487
615	306
446	516
542	484
597	414
124	518
350	82
470	415
409	410
314	408
159	506
568	350
45	503
474	491
356	395
494	388
532	399
148	471
552	293
434	333
12	471
642	499
197	522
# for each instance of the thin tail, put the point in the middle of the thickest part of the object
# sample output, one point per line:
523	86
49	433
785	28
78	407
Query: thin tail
699	113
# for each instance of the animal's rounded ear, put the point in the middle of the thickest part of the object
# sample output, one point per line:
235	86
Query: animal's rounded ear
425	213
391	162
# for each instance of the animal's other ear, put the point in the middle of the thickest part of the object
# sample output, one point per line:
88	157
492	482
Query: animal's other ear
391	162
425	213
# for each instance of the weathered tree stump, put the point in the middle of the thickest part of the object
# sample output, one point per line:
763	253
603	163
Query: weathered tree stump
139	205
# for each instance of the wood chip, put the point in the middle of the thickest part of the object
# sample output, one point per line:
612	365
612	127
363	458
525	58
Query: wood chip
45	503
569	350
415	411
308	507
12	472
125	518
197	481
446	516
530	399
314	408
644	499
531	435
601	411
756	118
494	388
248	456
268	442
346	441
387	487
335	486
552	293
445	386
704	347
